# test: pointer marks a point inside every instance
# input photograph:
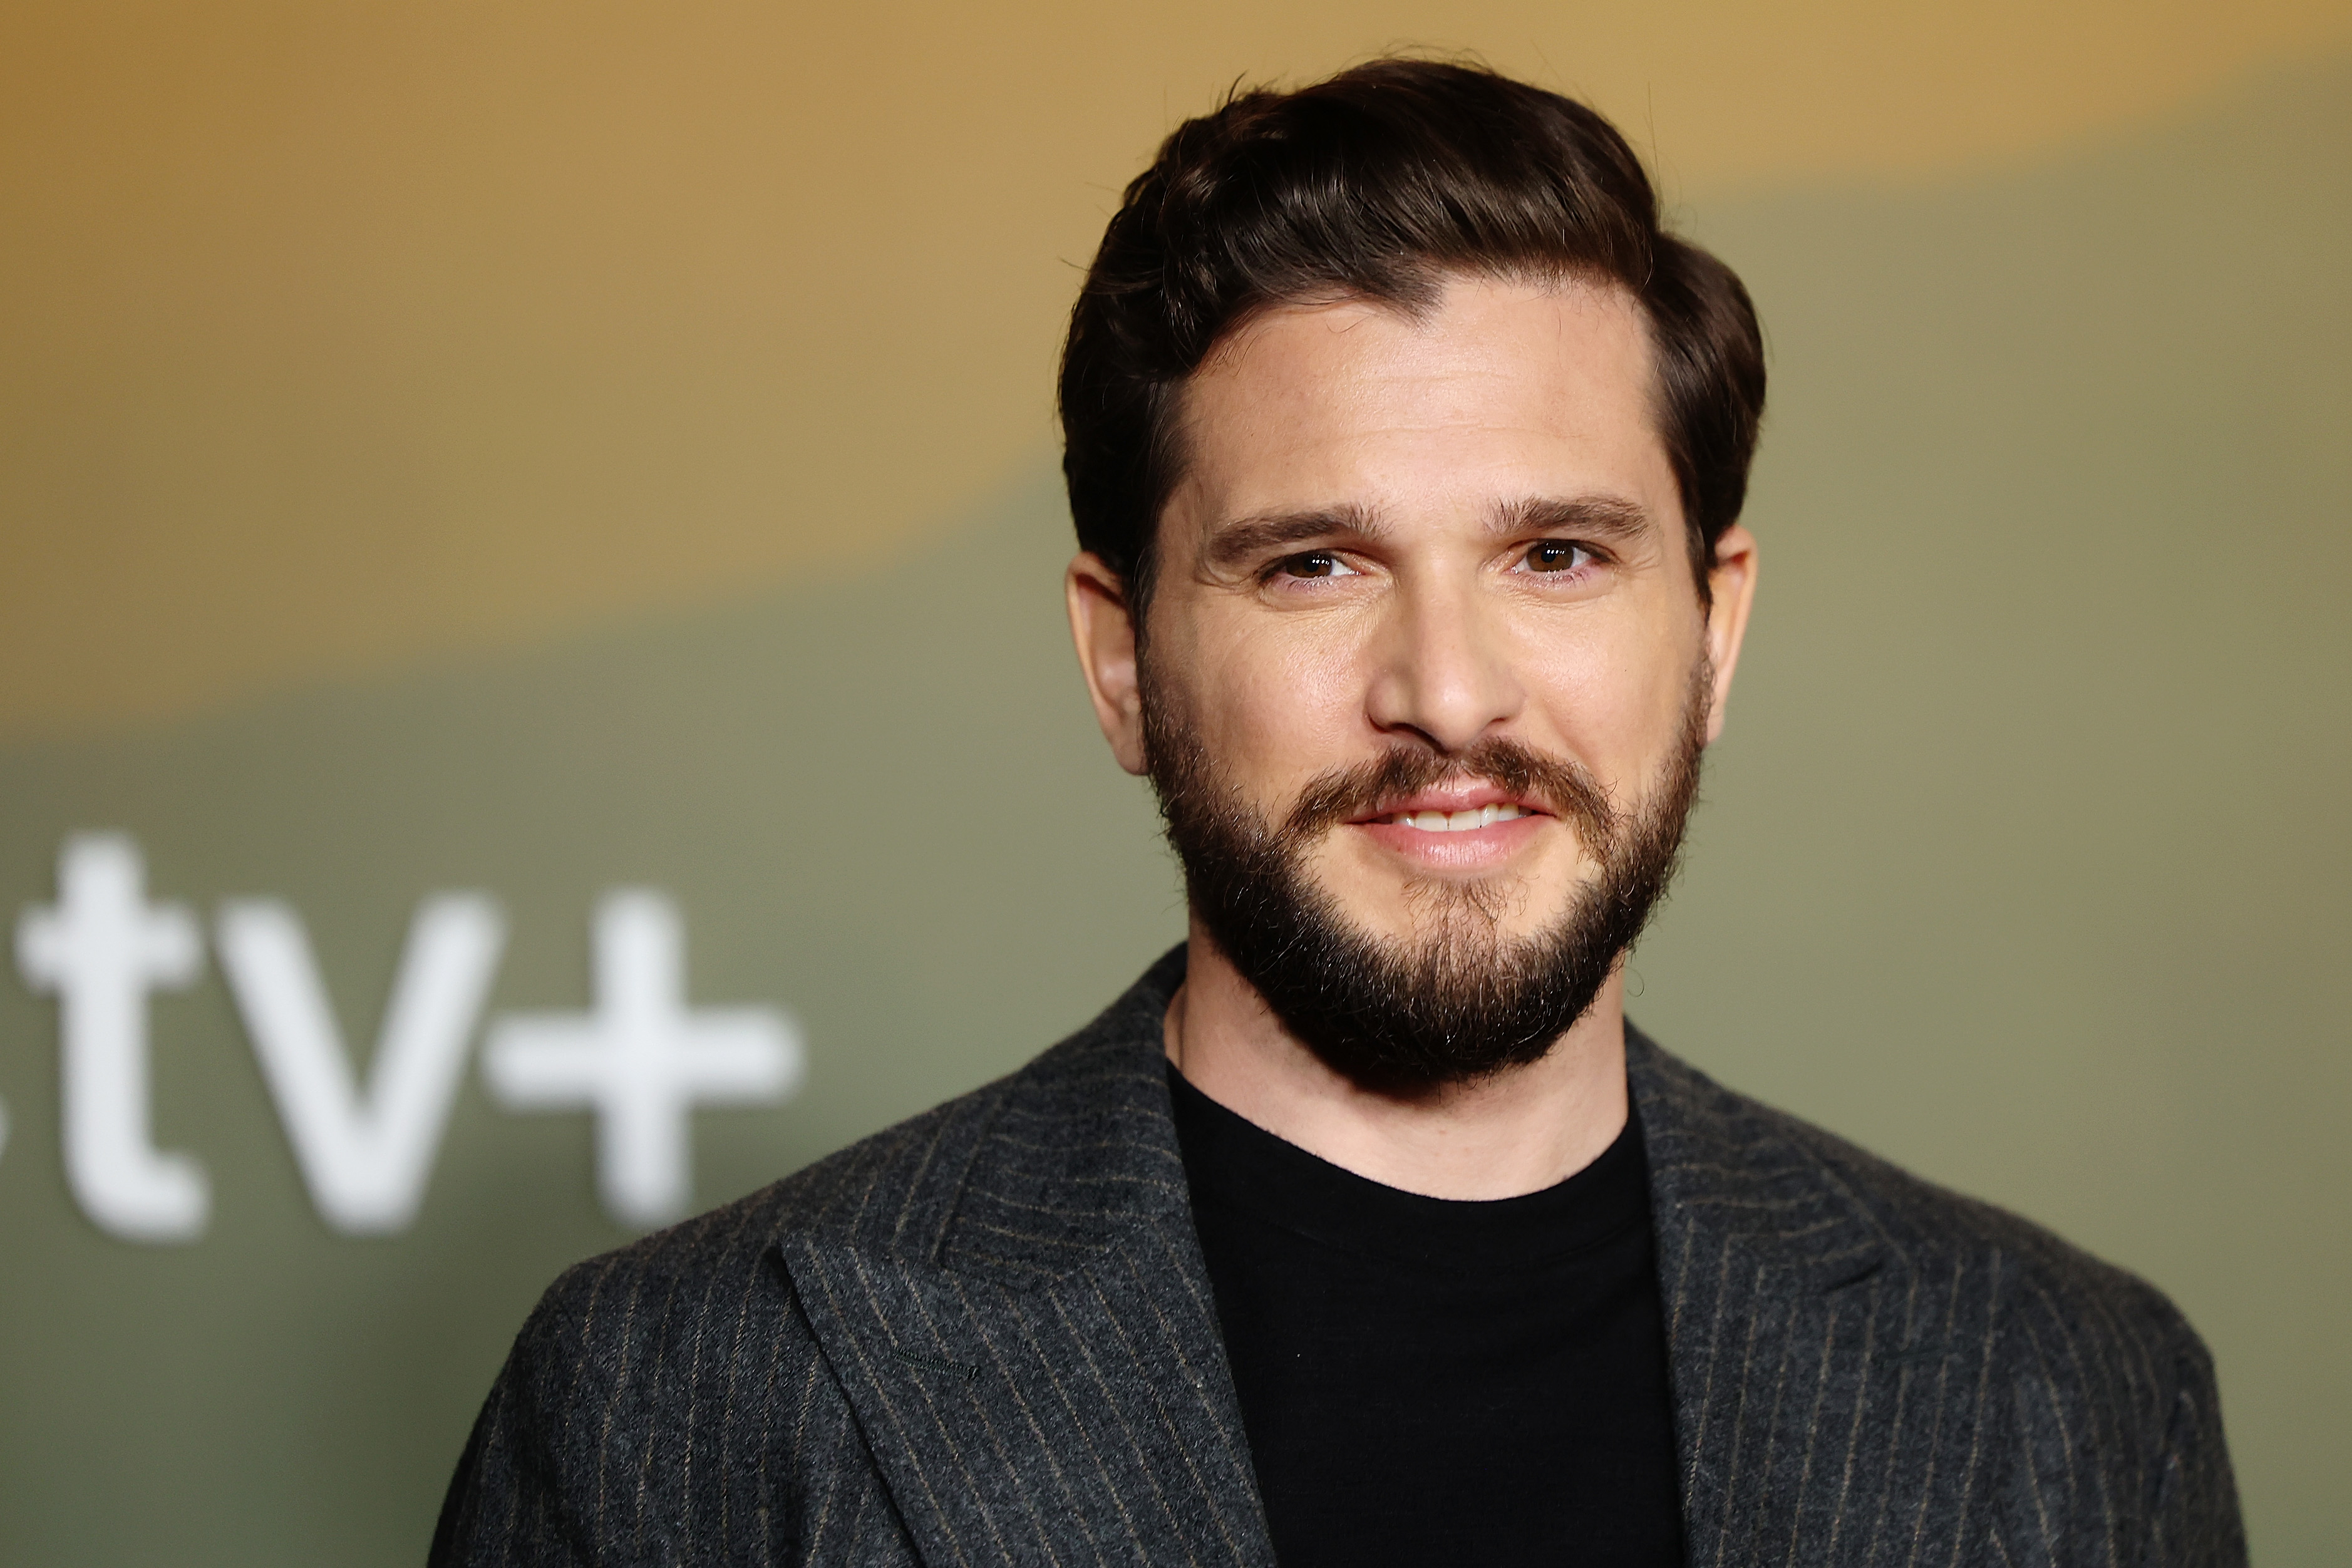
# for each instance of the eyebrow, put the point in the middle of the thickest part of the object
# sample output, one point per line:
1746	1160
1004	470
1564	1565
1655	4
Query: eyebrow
1609	518
1250	538
1601	517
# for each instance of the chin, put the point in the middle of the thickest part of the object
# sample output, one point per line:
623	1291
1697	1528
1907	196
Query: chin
1506	908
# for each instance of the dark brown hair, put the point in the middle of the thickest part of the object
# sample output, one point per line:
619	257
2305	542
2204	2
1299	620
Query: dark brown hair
1378	185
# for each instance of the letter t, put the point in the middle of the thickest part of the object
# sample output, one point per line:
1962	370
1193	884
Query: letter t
101	948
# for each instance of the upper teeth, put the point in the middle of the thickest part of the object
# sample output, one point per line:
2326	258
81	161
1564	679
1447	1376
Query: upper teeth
1456	821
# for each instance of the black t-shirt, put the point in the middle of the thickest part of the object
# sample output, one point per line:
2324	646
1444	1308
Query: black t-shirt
1425	1381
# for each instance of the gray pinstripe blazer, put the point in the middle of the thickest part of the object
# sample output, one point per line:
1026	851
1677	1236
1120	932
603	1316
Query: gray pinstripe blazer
985	1336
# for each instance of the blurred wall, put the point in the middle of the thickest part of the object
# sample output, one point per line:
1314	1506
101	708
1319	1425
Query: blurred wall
538	450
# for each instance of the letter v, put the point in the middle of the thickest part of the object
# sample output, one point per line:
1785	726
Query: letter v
366	1159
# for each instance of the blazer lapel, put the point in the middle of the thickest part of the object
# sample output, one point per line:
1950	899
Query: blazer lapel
1012	1297
1829	1366
1025	1330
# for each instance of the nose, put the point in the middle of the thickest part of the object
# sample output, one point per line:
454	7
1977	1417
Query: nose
1441	669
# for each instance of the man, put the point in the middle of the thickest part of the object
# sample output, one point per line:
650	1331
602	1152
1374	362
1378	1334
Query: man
1406	455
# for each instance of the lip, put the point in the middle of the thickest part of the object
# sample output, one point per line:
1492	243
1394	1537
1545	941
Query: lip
1469	851
1457	797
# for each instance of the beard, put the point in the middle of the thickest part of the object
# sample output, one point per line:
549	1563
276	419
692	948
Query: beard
1458	1000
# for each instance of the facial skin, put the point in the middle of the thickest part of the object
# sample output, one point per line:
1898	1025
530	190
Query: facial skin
1424	535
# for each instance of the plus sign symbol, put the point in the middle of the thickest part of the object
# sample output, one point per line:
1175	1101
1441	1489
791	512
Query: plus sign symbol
642	1059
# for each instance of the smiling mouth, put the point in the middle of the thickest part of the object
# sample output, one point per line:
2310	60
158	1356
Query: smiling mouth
1466	821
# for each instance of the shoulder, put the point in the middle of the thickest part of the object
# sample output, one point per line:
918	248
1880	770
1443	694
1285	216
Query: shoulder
684	1362
893	1190
2066	1315
884	1183
2105	1393
896	1189
2069	1304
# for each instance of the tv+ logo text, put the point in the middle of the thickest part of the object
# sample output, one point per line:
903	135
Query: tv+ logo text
640	1057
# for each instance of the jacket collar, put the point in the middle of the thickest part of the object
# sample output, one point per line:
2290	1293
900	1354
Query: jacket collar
1032	1295
1084	1145
1011	1298
1727	1172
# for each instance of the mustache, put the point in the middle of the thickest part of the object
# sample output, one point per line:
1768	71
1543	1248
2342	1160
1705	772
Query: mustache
1559	784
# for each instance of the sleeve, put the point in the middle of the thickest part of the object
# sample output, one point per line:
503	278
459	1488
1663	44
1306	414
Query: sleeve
2194	1522
506	1506
645	1418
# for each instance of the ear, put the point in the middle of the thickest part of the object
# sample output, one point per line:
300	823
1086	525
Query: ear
1104	635
1731	588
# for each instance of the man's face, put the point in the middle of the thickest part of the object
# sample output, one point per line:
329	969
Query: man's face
1424	621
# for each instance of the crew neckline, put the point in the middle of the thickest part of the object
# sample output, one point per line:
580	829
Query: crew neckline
1231	1160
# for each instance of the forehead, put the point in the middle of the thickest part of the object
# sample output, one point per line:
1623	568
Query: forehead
1499	387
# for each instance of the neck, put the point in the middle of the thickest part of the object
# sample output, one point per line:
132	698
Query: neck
1520	1131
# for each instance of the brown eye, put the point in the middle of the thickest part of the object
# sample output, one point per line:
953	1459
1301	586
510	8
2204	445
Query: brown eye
1553	555
1315	563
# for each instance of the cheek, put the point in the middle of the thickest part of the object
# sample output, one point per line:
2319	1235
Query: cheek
1615	702
1275	711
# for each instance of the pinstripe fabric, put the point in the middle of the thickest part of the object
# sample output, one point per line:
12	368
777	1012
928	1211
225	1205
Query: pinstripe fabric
985	1337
